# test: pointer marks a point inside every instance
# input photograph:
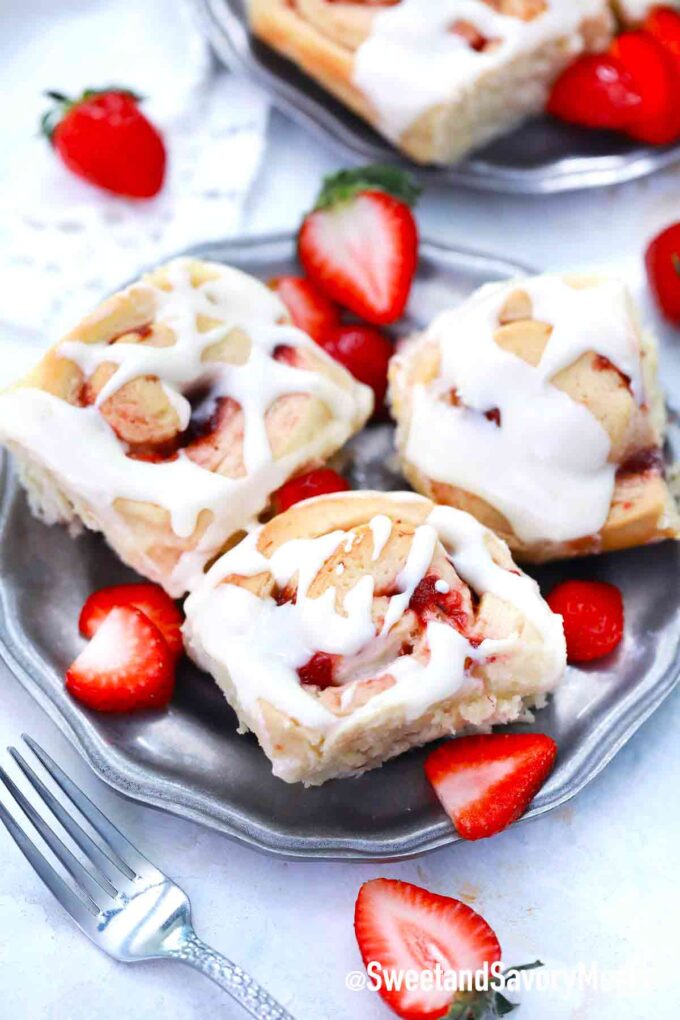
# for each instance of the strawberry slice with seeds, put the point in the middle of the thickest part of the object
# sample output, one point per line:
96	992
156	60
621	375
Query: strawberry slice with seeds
149	599
360	243
487	782
127	665
403	928
310	309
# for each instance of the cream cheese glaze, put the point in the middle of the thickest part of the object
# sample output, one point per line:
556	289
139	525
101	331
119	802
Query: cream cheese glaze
262	644
545	468
78	445
412	61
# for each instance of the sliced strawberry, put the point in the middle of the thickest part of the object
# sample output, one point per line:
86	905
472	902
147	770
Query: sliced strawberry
365	352
664	24
486	782
313	483
360	243
127	665
593	617
309	308
149	599
595	91
656	79
663	270
403	928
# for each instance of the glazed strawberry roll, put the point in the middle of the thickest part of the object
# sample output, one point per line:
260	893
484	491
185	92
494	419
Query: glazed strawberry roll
168	417
535	406
353	627
437	79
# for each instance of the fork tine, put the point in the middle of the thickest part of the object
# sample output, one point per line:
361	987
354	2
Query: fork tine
75	831
81	910
120	850
83	880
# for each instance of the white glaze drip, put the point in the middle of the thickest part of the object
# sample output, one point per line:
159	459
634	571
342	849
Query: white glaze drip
381	528
412	61
546	467
78	445
263	644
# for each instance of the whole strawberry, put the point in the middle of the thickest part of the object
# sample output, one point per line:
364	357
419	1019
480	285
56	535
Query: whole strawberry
104	138
359	244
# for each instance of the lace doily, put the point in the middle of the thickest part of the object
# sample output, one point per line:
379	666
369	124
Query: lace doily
65	244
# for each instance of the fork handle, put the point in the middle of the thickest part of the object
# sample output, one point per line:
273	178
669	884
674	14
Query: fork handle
244	989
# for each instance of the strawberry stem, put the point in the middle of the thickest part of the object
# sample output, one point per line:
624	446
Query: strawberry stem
346	184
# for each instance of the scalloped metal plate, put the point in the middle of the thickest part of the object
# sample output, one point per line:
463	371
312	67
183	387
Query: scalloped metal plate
191	761
542	157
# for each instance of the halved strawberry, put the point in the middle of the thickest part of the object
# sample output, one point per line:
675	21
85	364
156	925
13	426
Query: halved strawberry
360	243
127	665
403	928
486	782
310	310
150	599
656	79
313	483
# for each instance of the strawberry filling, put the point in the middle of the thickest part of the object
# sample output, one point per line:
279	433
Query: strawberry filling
427	602
318	672
642	462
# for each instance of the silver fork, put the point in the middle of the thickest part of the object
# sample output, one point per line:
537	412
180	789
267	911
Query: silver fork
121	901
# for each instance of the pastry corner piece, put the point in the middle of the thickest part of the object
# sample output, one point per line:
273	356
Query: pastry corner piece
353	627
437	79
168	417
535	406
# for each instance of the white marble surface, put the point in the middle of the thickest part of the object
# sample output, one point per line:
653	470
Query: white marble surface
594	882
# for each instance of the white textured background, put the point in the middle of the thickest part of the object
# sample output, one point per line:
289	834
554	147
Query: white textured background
595	881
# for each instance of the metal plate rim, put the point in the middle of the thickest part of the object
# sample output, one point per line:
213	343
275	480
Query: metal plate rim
223	30
142	784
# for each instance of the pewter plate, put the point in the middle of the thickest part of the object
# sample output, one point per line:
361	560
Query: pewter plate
190	760
541	157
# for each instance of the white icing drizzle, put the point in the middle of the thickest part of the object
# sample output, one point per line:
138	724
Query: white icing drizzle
381	526
79	446
263	644
419	558
546	467
412	61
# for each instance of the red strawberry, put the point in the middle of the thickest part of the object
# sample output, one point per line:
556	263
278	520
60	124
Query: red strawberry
360	243
593	617
402	928
105	138
149	599
486	782
309	309
127	665
663	271
595	91
656	79
664	24
364	352
313	483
